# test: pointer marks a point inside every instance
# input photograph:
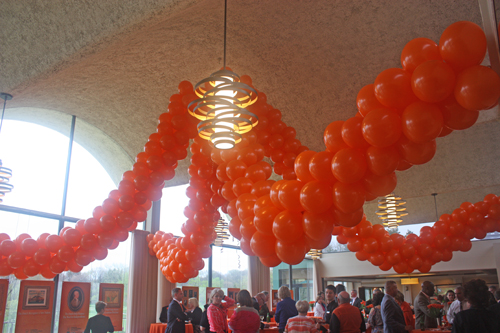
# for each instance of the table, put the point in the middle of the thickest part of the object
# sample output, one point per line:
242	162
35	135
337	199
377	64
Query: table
431	330
270	330
310	313
160	328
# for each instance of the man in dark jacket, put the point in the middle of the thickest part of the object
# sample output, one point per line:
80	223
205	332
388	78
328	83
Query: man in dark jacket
99	323
204	324
176	315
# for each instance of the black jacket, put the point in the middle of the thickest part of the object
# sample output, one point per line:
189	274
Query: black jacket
164	314
195	316
176	318
204	319
99	324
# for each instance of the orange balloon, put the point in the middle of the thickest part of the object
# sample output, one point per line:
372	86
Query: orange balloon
255	173
263	245
242	186
287	226
227	191
422	122
366	100
455	117
416	153
393	88
316	226
463	44
333	136
382	161
417	51
235	169
301	166
263	201
380	185
382	127
246	210
348	219
247	228
316	197
268	169
271	261
274	193
320	166
246	197
348	198
264	219
477	88
433	81
349	165
261	188
291	255
352	134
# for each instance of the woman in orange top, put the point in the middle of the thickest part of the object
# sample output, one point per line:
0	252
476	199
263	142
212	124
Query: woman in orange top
407	311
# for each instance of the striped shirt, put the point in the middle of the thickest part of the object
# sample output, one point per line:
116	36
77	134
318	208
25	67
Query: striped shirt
300	324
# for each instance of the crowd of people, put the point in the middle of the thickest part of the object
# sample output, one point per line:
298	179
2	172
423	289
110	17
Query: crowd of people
471	308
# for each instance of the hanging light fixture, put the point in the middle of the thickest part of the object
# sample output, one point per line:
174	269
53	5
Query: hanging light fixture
315	254
391	211
221	106
5	173
222	232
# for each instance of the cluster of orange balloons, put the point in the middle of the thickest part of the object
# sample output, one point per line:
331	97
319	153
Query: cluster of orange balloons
111	222
434	244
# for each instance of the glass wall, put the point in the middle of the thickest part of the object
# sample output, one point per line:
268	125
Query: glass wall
37	156
302	279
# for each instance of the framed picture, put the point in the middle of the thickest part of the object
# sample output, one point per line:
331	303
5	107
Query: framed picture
112	296
76	298
36	297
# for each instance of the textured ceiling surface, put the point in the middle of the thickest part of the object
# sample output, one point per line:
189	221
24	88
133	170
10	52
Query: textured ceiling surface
114	65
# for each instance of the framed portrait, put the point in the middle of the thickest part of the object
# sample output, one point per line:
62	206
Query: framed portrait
76	298
36	297
112	296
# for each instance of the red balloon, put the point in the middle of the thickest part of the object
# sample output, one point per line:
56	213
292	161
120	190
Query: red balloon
362	256
54	243
271	261
380	185
263	245
455	116
29	246
370	245
382	127
418	51
348	219
301	166
393	88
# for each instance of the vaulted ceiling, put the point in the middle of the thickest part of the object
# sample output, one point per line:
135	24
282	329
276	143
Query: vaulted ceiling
115	63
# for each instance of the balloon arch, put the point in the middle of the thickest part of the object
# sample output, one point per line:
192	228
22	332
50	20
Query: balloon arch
440	89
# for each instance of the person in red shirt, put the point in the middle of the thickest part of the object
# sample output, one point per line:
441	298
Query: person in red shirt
301	323
245	318
346	318
407	312
217	311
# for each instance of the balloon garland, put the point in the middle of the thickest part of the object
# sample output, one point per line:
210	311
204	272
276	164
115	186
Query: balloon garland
441	88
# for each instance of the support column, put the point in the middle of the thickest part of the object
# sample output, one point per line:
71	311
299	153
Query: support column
143	284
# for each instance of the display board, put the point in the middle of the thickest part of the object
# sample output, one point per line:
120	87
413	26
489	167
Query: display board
4	289
34	309
112	294
190	292
75	302
233	293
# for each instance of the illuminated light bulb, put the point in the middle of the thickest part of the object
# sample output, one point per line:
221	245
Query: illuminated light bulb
392	210
222	108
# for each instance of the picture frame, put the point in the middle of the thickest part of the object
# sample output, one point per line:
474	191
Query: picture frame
76	298
112	296
36	297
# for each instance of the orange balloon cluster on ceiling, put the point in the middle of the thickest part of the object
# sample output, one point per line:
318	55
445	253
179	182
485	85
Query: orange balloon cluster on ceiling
440	89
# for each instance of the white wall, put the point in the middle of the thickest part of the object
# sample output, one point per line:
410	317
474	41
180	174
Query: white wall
483	255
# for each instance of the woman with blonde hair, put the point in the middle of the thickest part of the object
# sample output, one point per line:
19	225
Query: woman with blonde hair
217	311
246	318
285	308
194	314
